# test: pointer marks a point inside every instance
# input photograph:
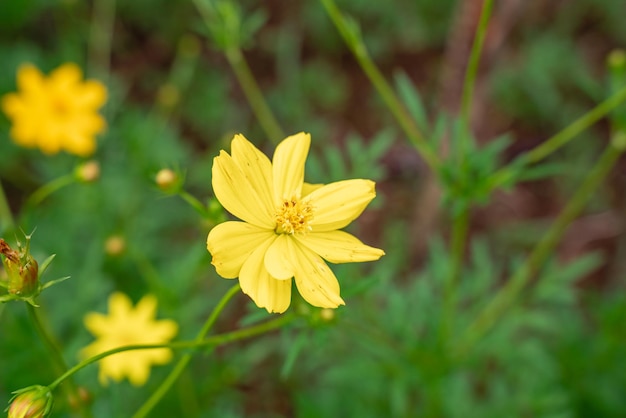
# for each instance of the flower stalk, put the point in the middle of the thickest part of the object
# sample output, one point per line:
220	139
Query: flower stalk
214	341
166	385
521	279
352	37
242	71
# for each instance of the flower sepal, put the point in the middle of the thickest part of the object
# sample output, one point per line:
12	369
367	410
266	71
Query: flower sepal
31	402
23	273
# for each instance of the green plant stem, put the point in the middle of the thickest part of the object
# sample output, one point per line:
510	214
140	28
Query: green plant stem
194	202
508	295
6	217
47	189
214	341
253	94
356	45
549	146
166	385
474	59
57	357
246	79
460	228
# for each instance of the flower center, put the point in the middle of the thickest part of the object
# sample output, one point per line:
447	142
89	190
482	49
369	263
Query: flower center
60	107
294	217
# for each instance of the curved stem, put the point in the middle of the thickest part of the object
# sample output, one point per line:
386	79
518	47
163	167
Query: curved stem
355	44
214	341
505	174
47	189
508	295
166	385
193	202
49	341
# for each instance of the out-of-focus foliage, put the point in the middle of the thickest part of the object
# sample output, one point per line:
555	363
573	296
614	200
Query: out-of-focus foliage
391	351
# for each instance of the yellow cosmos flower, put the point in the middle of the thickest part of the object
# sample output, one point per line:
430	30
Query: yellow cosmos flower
288	228
126	325
55	113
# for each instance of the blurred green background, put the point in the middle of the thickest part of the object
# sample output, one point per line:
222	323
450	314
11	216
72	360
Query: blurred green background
175	102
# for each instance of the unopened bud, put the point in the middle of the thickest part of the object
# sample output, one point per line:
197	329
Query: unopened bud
115	245
88	172
31	402
327	314
22	270
167	180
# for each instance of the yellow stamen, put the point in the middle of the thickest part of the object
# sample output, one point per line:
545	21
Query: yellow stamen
294	217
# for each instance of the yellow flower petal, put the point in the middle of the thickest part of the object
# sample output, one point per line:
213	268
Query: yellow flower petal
236	193
230	243
96	323
29	79
339	247
315	280
137	373
145	309
93	94
308	188
267	292
288	164
257	169
279	258
337	204
66	76
119	305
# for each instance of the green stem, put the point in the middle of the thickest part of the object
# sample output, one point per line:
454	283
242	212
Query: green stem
57	357
194	202
214	341
457	248
244	75
50	342
47	189
505	174
253	94
166	385
472	65
508	295
356	45
6	217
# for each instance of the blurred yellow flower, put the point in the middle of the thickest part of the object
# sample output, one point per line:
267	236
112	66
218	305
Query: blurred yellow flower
126	325
288	226
54	113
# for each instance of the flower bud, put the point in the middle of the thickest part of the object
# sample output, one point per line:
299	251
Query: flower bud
21	269
31	402
167	180
115	245
88	172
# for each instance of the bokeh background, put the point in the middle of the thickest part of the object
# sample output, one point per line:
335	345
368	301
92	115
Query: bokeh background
174	102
